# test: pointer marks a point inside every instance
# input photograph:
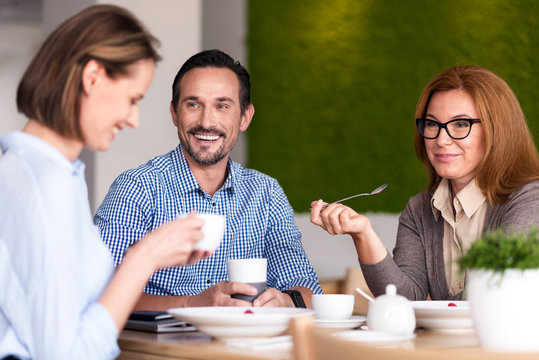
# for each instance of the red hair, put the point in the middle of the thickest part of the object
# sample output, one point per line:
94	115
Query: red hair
510	158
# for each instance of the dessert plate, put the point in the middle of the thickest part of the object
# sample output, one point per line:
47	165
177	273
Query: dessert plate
239	322
448	316
351	323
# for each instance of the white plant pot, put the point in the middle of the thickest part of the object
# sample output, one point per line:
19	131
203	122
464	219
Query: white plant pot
505	309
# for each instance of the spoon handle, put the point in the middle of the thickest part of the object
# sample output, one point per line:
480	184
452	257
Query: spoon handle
348	198
374	192
364	294
378	190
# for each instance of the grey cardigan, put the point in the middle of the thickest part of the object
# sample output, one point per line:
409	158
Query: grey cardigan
417	266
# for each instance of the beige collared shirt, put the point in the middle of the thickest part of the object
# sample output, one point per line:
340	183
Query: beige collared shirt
464	217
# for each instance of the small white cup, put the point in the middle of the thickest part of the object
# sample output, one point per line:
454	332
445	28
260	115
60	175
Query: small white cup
250	271
213	229
333	306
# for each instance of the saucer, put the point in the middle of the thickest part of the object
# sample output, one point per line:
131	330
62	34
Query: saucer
350	323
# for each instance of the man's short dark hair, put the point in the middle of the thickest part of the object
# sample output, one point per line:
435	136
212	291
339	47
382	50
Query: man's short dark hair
215	59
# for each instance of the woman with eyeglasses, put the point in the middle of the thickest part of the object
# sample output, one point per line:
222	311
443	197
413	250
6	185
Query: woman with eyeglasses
483	171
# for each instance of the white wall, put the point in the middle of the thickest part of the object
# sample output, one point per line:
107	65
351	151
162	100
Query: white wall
178	25
184	28
225	28
18	43
331	255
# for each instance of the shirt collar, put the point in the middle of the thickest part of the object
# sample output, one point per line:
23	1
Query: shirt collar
21	142
234	170
470	197
189	181
441	199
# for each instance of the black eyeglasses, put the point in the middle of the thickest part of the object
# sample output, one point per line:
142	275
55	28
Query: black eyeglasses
457	129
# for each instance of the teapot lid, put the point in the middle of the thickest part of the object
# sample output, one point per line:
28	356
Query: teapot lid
391	289
392	299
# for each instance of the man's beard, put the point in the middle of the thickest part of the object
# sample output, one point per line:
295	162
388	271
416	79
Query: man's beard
202	157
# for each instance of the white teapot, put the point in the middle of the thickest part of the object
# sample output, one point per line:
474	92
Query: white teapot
391	313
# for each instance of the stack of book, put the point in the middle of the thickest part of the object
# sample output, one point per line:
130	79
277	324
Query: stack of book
156	321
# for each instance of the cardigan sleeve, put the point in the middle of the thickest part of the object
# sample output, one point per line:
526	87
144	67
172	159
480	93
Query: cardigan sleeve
408	267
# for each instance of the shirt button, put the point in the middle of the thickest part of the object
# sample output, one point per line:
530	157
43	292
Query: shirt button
213	204
208	281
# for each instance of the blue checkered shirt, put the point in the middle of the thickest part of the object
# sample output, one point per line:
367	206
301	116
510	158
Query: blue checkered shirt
259	223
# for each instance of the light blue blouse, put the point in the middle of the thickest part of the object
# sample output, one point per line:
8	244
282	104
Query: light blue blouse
53	264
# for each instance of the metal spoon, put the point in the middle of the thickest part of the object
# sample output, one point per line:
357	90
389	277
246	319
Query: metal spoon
378	190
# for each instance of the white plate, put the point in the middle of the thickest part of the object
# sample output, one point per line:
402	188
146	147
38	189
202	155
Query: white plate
234	322
369	336
439	316
352	322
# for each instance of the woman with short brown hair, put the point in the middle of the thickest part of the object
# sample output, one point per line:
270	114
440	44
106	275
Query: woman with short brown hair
62	297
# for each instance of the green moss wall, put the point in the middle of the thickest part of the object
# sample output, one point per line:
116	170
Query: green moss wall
335	84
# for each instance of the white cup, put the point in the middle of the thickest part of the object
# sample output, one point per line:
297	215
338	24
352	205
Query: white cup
213	229
333	306
250	271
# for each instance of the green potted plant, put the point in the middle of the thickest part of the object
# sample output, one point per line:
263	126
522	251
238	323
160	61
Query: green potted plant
503	289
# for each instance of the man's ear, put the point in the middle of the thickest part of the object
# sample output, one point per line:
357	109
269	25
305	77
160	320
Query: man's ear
173	114
247	117
91	75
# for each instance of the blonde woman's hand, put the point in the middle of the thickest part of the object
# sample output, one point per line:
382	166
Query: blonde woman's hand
173	243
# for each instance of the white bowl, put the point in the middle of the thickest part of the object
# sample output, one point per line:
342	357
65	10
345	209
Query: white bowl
239	322
439	316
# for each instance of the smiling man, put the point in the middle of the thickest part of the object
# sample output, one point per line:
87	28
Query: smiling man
210	106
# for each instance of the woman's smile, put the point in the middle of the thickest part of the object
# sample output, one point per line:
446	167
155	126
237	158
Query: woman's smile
455	160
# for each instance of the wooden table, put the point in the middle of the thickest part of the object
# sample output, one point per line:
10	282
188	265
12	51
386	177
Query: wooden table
445	341
138	345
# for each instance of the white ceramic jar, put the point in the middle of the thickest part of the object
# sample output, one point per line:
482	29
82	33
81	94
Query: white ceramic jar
391	313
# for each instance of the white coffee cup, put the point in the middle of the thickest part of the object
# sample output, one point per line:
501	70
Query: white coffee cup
333	306
250	271
213	229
